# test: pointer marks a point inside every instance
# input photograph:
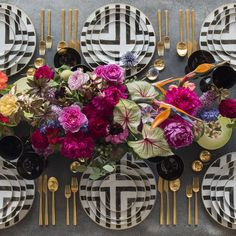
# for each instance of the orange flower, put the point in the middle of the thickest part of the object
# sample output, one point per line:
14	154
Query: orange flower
3	80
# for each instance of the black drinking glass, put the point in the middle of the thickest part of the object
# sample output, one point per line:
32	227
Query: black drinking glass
224	77
11	147
30	165
170	168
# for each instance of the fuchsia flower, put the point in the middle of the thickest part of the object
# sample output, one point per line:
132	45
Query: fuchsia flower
227	108
184	99
72	119
97	127
39	140
116	134
77	145
77	79
44	72
113	95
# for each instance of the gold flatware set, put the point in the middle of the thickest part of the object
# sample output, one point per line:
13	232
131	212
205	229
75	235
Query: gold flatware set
45	184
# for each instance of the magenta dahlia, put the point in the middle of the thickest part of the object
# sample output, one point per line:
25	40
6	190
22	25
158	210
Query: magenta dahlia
116	133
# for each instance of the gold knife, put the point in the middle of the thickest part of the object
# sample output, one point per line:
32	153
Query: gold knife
40	190
45	190
166	190
189	44
160	190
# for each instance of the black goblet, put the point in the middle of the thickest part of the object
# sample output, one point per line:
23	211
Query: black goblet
11	147
30	165
170	168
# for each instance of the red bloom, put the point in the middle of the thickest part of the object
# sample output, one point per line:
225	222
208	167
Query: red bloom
77	145
97	127
3	119
52	135
113	95
227	108
39	140
44	72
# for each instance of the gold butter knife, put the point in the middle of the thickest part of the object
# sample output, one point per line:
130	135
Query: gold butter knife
194	41
196	189
166	190
45	190
76	18
160	190
74	190
40	190
189	44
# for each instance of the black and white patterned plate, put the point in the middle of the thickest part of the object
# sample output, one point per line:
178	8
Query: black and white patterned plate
206	188
26	52
27	198
6	191
230	192
150	184
90	55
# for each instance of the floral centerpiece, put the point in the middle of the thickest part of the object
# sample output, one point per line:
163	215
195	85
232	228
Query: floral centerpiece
100	113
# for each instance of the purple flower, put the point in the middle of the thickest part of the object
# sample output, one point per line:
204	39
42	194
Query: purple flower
208	99
178	133
209	115
185	99
77	79
148	114
116	134
72	119
44	72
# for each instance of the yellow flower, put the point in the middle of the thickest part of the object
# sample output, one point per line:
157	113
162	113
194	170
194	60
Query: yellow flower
8	105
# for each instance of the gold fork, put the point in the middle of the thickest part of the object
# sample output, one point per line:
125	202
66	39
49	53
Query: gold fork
42	43
67	196
189	194
196	190
70	41
74	190
166	190
160	44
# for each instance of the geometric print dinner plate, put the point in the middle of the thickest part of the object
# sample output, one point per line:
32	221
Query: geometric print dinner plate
213	183
122	199
22	49
114	29
27	194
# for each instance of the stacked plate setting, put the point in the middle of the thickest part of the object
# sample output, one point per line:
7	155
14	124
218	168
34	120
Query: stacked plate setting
122	199
112	31
18	39
16	195
218	34
219	190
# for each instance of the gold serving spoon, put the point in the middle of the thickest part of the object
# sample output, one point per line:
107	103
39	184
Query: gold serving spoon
194	41
62	44
167	38
160	44
49	36
71	42
76	17
181	46
174	187
53	187
42	44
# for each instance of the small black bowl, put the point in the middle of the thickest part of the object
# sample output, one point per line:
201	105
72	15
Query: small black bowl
80	66
199	57
67	56
11	147
170	168
30	165
224	77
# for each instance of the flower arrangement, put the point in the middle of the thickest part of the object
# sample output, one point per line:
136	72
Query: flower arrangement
100	113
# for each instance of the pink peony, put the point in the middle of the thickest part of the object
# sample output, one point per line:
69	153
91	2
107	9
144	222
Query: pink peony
116	134
113	95
183	98
77	79
227	108
99	71
44	72
77	145
72	119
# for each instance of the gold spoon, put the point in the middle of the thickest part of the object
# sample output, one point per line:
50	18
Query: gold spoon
70	41
62	44
30	72
167	38
159	64
39	62
74	167
77	43
49	37
174	187
181	46
160	44
42	44
53	187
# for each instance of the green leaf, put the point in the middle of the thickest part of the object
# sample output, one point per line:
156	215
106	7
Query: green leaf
153	143
95	175
128	114
82	168
109	168
141	91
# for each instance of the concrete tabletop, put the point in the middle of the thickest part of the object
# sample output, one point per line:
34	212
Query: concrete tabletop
59	166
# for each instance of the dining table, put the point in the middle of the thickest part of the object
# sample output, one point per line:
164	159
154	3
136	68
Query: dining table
59	167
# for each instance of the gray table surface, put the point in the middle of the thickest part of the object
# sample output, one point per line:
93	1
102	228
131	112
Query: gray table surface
58	166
